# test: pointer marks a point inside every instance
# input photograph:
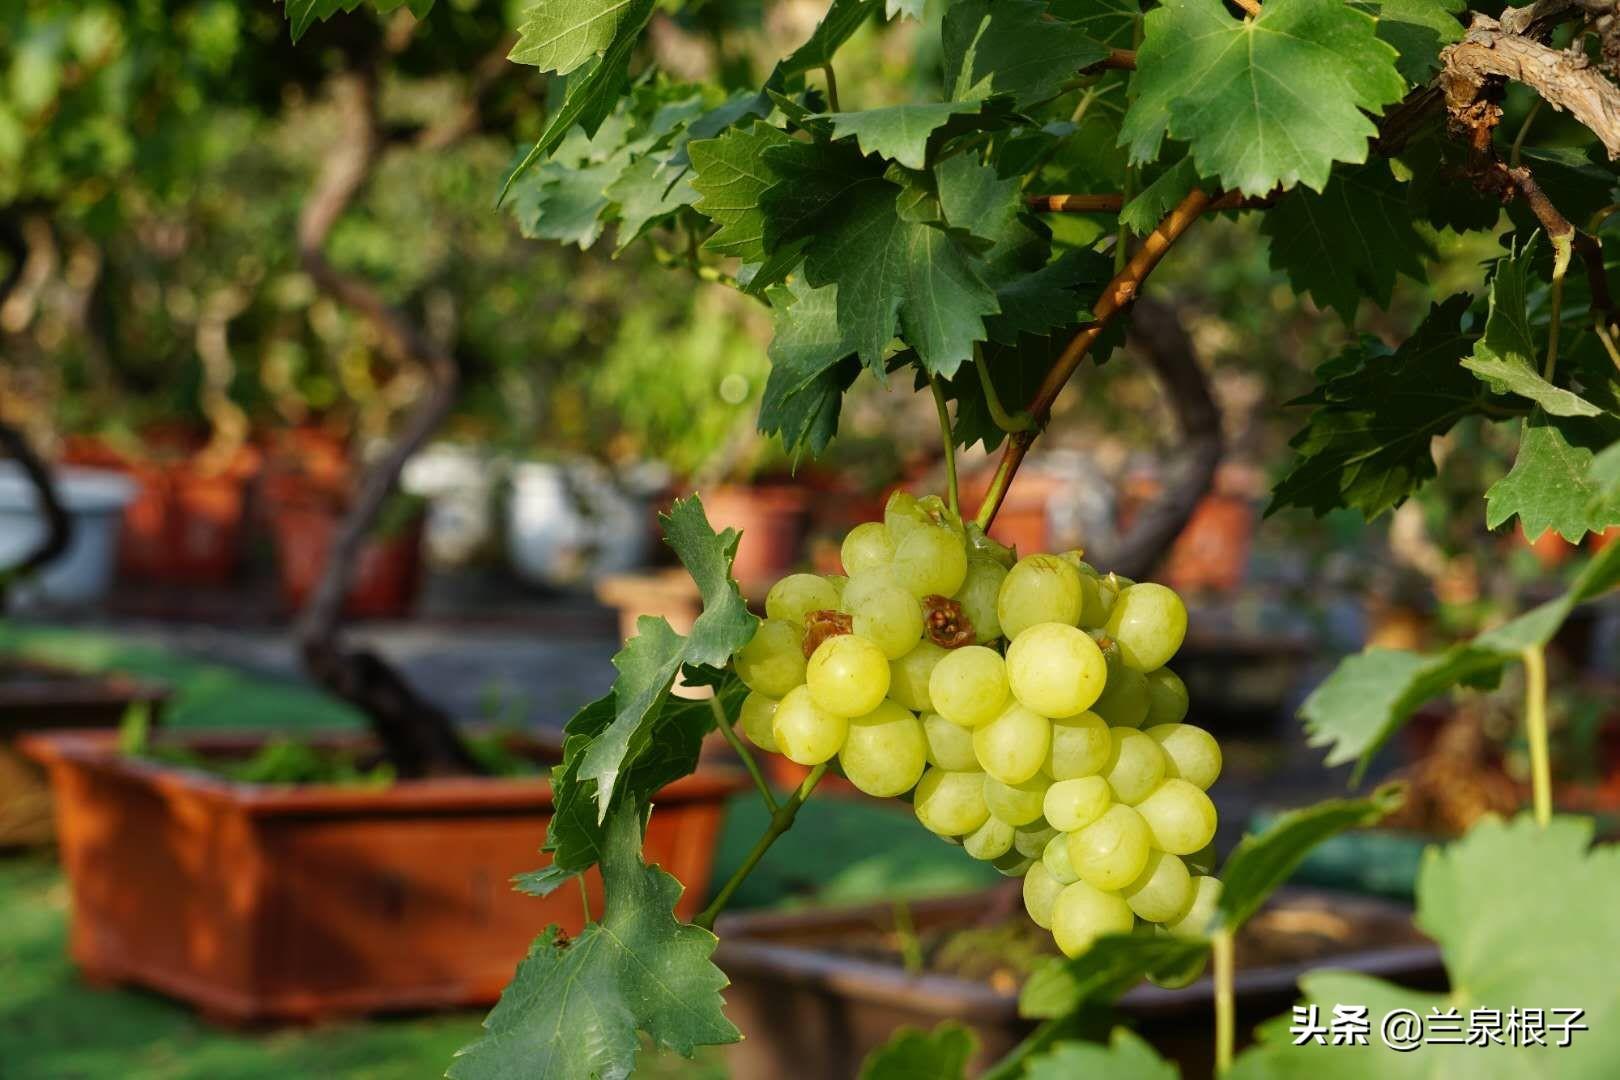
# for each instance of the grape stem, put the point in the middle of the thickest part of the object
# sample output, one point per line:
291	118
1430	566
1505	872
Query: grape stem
947	439
584	896
781	821
998	412
832	87
1013	1064
1535	730
723	722
1225	1001
1563	248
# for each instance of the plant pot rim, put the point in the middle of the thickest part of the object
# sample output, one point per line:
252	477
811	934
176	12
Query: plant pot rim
97	751
71	685
772	495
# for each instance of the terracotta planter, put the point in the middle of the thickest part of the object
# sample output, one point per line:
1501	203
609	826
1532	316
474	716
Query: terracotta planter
1211	553
259	903
42	697
814	992
386	576
670	594
772	519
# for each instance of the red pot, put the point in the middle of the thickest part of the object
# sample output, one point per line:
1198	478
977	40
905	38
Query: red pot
1212	551
386	577
772	520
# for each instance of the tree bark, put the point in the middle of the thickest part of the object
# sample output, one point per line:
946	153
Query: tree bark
58	525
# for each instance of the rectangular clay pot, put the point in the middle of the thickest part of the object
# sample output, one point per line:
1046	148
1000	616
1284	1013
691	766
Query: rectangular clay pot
262	903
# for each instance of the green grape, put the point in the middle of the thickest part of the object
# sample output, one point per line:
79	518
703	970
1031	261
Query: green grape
837	581
950	803
1039	589
1016	804
885	752
797	595
757	714
905	513
1082	914
1167	698
1032	839
1055	669
969	686
909	675
1071	805
1149	621
805	732
1124	700
1195	922
1081	746
1093	612
1111	851
1191	752
867	547
931	562
1162	891
1012	747
888	616
1180	817
772	663
1135	765
1013	864
1040	895
950	746
978	596
989	841
848	675
1056	858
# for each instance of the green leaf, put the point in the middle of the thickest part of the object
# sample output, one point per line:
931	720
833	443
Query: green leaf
1143	213
1349	240
843	18
1418	29
732	174
1112	22
1126	1057
1605	475
1366	445
1525	918
574	1007
904	9
911	1054
302	14
1550	485
560	35
647	193
900	132
1011	47
1265	102
812	363
1259	864
1104	972
1370	695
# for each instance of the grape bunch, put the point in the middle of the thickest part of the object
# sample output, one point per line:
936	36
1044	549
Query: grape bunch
1024	706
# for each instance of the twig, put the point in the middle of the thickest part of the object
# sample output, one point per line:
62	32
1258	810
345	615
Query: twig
723	722
1250	7
1113	204
1535	732
781	822
1116	60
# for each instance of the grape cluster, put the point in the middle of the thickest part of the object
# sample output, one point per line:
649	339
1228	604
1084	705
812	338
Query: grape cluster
1025	706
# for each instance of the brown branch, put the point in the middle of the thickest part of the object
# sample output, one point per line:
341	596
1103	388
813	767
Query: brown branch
1112	204
1250	7
419	737
1116	60
1559	227
58	525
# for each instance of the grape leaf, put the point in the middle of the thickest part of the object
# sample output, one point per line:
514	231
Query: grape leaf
574	1007
732	174
302	14
1143	213
904	9
1112	22
843	18
1126	1057
560	35
1104	972
1526	918
1371	694
1349	240
645	193
812	364
941	1054
1259	864
1264	102
1605	476
1011	47
1366	445
1550	485
1418	29
900	132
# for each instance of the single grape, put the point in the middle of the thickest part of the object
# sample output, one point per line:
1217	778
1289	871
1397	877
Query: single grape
885	751
1167	698
978	596
888	616
1093	612
1162	891
797	595
989	841
1111	851
1016	804
1040	895
1055	669
1013	864
867	547
1081	746
950	746
757	714
837	583
1135	765
931	562
772	663
1195	923
1149	621
805	732
950	803
1032	839
1082	914
1056	857
1192	753
909	675
901	515
1071	805
1038	589
1012	747
969	686
848	675
1124	700
1180	817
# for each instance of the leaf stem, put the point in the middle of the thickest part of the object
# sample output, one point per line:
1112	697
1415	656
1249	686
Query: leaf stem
948	440
1535	731
832	87
1013	1064
584	896
723	722
998	412
1607	339
1563	248
1517	149
1225	1000
781	822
